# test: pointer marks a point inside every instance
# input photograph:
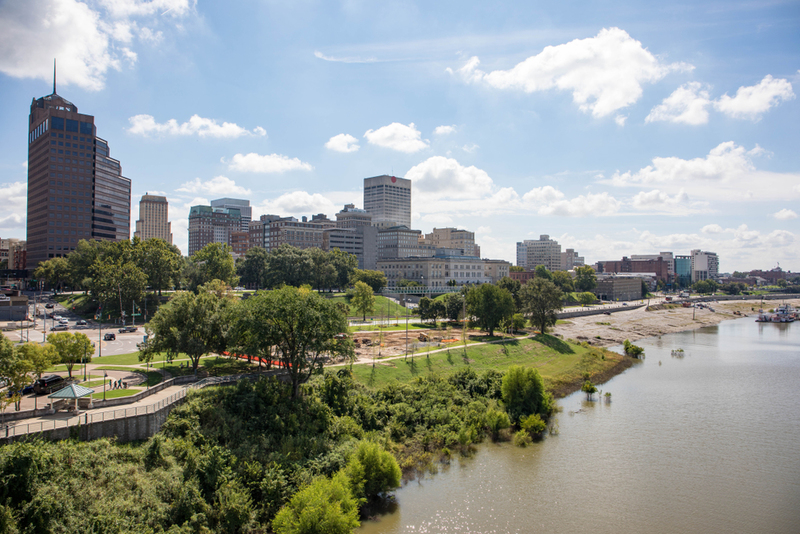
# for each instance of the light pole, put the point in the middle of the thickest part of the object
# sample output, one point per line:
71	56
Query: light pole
105	381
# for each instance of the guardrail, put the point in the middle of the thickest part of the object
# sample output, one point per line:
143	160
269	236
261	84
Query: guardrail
11	431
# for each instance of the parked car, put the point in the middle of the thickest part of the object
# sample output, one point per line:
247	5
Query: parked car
606	313
81	322
49	305
126	329
63	320
111	336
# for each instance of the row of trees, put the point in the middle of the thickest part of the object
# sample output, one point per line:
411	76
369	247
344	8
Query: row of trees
21	364
502	305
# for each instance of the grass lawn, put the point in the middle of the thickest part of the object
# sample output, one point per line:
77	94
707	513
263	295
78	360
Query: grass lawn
559	362
393	327
116	393
381	302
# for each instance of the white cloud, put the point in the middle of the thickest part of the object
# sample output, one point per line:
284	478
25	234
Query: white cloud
397	137
727	172
589	205
437	218
343	143
444	130
440	177
751	102
196	125
712	229
85	38
351	59
218	186
620	120
785	215
268	163
15	205
604	73
687	104
470	148
656	201
543	195
297	204
149	36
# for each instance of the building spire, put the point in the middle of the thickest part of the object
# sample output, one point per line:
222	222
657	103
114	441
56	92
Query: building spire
54	75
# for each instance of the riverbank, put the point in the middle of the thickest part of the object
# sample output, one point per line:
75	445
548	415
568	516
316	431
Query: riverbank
614	329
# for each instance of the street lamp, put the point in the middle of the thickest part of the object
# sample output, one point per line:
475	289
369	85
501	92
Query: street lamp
105	380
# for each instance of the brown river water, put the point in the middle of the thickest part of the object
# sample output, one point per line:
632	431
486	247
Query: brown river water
708	442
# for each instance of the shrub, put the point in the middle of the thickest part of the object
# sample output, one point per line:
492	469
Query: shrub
372	471
632	350
496	421
522	439
326	506
524	393
532	424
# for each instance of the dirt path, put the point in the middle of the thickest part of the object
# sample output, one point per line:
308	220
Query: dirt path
614	329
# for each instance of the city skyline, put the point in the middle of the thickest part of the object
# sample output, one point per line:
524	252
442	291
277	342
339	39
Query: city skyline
617	130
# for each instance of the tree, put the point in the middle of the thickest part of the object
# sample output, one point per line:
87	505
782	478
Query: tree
781	282
161	262
42	357
524	393
345	264
55	271
586	298
363	299
585	278
14	371
542	272
193	324
541	300
453	306
372	471
252	270
589	389
323	273
303	326
516	269
326	506
118	281
513	287
631	349
645	288
490	305
213	262
563	281
289	266
375	279
71	348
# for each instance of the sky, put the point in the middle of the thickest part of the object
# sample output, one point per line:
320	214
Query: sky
616	128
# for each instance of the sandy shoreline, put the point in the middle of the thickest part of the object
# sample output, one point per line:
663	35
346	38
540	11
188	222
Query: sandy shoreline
606	330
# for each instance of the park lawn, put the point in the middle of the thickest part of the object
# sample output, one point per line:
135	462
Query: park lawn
391	328
558	362
381	302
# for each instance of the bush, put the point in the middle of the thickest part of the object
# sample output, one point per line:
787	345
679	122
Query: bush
522	439
326	506
524	393
533	424
496	421
632	350
372	471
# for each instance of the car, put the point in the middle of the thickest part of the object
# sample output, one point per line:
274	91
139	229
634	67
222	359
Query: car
59	327
606	313
126	329
624	303
81	322
27	389
239	288
49	305
111	336
63	320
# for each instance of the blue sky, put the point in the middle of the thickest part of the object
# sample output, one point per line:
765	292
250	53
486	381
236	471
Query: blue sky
616	128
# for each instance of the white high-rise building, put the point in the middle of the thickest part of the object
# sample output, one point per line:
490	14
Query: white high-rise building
153	219
388	200
544	251
705	265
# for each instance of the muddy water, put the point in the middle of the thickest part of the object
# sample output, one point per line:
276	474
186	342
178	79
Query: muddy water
709	442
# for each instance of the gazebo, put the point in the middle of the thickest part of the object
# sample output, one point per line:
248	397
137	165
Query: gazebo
72	391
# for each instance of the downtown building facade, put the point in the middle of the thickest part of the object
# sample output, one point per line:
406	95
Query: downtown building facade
452	238
153	219
442	268
388	200
543	251
76	190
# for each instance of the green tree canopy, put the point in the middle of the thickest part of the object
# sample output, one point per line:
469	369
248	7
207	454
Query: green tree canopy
454	306
289	266
56	271
585	278
375	279
71	348
345	264
490	305
15	371
195	324
213	262
543	272
524	393
115	280
326	506
42	357
513	287
323	273
161	262
372	471
563	281
303	326
586	298
362	299
541	300
253	268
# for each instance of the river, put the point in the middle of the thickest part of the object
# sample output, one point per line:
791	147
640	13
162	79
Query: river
708	442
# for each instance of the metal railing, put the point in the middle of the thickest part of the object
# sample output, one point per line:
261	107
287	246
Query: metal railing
9	430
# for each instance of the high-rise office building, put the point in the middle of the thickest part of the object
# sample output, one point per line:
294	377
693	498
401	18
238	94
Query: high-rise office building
544	251
388	200
705	265
212	225
75	189
243	206
153	219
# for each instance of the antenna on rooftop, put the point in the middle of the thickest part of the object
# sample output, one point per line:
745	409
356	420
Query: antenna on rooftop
54	75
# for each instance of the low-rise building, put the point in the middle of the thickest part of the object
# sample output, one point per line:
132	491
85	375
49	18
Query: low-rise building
618	287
